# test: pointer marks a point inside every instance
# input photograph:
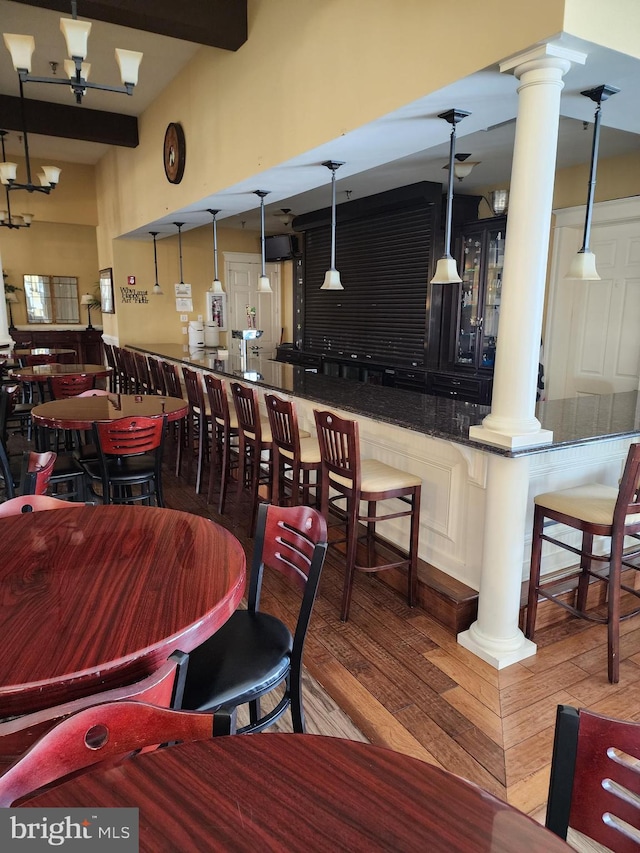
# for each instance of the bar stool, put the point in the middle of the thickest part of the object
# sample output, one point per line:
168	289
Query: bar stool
173	388
111	362
356	480
198	424
254	446
157	377
142	373
292	451
224	439
596	510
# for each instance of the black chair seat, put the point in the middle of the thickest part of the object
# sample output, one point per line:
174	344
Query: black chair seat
247	657
129	470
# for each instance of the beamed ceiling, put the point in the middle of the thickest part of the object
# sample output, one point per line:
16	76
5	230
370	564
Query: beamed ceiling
215	23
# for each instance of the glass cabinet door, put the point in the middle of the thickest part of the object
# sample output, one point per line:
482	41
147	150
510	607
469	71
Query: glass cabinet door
492	296
469	318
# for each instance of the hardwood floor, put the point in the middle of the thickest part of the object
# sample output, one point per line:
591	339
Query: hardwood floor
406	684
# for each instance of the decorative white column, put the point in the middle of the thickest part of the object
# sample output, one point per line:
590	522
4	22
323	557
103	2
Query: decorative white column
495	636
5	337
512	422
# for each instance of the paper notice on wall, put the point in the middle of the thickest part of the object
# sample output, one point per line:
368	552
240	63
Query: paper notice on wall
184	305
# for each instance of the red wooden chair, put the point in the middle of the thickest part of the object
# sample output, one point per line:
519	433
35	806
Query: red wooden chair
254	652
69	385
32	503
595	779
130	455
37	469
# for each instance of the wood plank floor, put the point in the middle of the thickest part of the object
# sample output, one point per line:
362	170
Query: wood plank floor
406	683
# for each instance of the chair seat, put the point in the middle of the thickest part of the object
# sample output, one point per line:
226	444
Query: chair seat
129	469
591	502
309	450
378	477
246	657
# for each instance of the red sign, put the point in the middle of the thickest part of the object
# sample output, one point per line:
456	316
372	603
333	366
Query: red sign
131	280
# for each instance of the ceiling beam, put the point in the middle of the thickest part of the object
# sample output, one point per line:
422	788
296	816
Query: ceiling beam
69	122
218	23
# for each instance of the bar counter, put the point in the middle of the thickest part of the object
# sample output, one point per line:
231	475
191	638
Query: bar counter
574	421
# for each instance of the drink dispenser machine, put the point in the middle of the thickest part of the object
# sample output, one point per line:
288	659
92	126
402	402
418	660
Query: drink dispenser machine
245	335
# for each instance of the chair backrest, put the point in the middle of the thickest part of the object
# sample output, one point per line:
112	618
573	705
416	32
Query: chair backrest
142	372
130	436
171	379
157	377
194	389
121	369
292	541
218	400
102	732
37	469
245	401
283	421
34	360
131	375
34	503
595	779
110	356
628	502
65	386
339	442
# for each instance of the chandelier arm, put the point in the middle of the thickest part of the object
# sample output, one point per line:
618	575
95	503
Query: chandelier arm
77	87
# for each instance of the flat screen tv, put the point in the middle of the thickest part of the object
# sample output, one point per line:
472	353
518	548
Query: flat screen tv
280	247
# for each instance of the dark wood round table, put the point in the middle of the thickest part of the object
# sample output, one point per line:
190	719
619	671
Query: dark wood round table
20	351
291	792
41	372
94	597
81	412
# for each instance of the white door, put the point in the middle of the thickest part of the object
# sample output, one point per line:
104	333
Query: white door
595	325
245	303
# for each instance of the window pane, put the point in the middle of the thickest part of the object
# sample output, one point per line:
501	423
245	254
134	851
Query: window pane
38	298
65	291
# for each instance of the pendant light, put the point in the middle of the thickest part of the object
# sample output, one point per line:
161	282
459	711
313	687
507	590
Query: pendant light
216	284
264	285
332	276
446	269
583	266
156	290
179	227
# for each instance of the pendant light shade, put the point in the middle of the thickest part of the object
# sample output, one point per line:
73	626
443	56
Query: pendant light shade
583	266
156	290
216	284
332	276
264	285
446	269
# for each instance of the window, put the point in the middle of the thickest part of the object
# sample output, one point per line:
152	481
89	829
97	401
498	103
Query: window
52	299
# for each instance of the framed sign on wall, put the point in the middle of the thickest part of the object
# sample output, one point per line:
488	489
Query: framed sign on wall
106	292
217	309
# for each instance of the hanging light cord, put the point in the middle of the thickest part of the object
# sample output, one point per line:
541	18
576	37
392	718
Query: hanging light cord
179	227
214	213
449	213
154	234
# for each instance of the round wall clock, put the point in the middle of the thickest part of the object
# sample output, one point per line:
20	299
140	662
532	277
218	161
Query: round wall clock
175	151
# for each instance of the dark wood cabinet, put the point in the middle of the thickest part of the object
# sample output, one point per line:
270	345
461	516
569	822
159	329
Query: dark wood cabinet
87	343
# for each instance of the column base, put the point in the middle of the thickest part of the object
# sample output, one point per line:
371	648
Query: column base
497	653
514	442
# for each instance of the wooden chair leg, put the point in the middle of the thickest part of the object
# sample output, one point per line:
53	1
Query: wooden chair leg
534	573
414	534
585	565
294	686
352	548
613	611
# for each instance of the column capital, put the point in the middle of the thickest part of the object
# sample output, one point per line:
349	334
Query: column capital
550	55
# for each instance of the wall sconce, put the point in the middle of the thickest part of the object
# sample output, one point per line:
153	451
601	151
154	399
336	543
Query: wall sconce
583	266
216	284
88	300
11	299
332	276
156	290
446	269
264	285
76	34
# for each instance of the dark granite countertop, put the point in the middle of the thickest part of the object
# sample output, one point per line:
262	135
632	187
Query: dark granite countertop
574	421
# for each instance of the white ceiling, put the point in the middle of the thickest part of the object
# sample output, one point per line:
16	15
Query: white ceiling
407	146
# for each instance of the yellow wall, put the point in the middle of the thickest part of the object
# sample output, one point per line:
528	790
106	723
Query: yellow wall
158	320
49	248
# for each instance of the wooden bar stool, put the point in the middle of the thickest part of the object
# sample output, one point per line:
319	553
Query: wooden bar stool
359	480
254	446
198	424
293	450
224	439
173	388
596	510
